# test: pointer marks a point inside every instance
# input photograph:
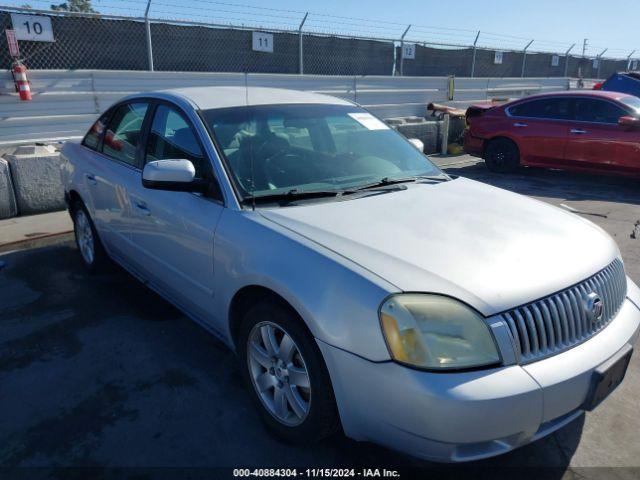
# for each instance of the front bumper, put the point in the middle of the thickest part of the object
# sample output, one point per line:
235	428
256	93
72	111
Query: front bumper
454	417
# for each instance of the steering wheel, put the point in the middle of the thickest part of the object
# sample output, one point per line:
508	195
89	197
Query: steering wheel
274	171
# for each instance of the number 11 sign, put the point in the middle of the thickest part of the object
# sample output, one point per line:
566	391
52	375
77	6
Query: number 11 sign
262	42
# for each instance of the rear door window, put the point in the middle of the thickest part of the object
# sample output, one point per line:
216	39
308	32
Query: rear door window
545	108
92	138
123	133
597	111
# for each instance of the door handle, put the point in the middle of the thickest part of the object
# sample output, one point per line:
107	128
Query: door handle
91	178
519	124
143	207
577	131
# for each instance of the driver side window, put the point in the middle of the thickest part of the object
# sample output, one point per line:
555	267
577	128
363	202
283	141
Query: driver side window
172	138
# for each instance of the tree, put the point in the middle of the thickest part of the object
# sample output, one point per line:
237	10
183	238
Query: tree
75	6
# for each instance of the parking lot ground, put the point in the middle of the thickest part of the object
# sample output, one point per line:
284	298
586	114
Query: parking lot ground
98	371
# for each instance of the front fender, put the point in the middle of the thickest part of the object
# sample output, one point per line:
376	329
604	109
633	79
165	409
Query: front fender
337	299
633	292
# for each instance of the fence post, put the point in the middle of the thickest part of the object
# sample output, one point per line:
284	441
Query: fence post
444	145
566	60
300	49
473	59
402	50
148	32
524	57
629	60
599	57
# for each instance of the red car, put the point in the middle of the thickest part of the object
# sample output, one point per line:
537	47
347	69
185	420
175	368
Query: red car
593	131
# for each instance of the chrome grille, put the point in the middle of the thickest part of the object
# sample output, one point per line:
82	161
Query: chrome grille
560	321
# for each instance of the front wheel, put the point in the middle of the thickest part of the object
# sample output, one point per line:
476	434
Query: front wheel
502	156
286	375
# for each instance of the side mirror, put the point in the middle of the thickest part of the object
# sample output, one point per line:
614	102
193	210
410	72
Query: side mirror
629	122
173	175
417	143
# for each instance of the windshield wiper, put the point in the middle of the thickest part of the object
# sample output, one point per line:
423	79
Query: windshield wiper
386	181
291	195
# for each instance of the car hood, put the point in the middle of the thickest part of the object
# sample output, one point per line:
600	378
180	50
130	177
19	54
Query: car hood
488	247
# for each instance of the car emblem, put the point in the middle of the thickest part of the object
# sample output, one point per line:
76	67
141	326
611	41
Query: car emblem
594	307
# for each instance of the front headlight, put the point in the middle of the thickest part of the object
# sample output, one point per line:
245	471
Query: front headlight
436	332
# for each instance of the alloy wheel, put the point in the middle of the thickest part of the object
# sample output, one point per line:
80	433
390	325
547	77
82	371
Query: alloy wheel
84	237
278	373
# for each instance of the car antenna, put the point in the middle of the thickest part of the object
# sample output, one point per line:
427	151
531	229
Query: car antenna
253	184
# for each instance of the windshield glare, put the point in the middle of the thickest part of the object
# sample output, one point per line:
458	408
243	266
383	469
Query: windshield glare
633	102
273	149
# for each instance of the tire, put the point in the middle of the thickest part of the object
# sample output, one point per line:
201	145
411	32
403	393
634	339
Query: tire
502	156
307	411
92	253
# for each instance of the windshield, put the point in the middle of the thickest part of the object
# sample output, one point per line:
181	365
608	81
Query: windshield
273	149
633	102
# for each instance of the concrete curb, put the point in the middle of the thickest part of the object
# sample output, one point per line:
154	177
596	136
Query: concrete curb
37	242
8	204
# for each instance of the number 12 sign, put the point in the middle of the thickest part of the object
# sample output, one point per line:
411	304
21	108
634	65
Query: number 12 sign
32	27
263	42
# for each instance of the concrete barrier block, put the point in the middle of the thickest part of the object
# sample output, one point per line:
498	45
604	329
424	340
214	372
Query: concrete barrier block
8	206
35	171
426	131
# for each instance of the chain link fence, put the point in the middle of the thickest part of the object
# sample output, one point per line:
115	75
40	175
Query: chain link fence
106	42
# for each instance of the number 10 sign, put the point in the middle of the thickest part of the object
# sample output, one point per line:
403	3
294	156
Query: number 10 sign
32	27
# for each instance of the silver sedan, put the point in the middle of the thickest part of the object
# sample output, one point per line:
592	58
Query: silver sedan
359	285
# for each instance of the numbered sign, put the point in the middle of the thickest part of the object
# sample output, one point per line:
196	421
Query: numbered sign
596	62
409	51
262	42
497	58
555	60
32	27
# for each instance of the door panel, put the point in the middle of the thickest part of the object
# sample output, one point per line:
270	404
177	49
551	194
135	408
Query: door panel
173	231
109	183
109	175
541	142
173	238
596	141
540	128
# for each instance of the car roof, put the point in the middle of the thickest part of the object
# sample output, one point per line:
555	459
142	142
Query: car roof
205	98
580	93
